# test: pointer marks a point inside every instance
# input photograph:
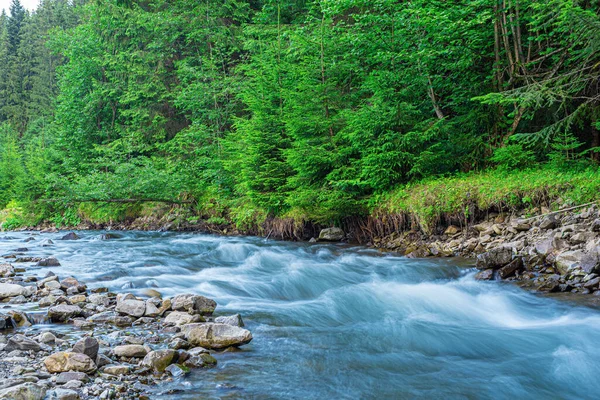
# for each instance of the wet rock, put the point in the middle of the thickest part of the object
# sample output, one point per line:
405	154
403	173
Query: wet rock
25	391
48	262
69	361
130	351
159	360
20	342
182	318
63	312
134	308
70	236
217	336
109	236
200	361
6	270
193	304
88	346
485	275
494	258
47	338
176	370
71	282
332	234
234	320
117	369
5	322
510	269
20	319
12	290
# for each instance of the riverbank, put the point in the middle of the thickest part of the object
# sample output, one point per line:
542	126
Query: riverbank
60	339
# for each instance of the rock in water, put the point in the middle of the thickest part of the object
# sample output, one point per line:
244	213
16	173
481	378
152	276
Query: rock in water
193	304
48	262
88	346
70	236
234	320
182	318
5	322
217	336
68	361
159	360
6	270
11	290
63	312
332	234
494	258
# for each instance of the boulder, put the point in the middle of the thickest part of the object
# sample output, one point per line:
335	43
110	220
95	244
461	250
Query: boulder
63	313
582	237
159	360
24	391
181	318
217	336
88	346
234	320
70	236
6	270
485	275
48	262
332	234
510	269
193	304
590	262
12	290
23	343
134	308
69	361
549	222
130	351
117	369
568	260
494	258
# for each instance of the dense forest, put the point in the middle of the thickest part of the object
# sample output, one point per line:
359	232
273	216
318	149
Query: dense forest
244	111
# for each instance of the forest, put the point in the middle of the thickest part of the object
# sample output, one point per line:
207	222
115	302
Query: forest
242	111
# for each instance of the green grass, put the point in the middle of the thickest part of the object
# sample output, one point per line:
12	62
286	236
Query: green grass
461	195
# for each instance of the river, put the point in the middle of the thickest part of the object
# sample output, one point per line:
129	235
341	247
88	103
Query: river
340	322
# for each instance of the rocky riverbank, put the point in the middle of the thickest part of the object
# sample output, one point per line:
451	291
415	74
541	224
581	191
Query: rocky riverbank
553	252
60	340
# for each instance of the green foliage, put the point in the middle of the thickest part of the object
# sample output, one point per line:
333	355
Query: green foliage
513	156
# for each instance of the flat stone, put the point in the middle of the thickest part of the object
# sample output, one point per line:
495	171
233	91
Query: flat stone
494	258
12	290
117	369
20	342
65	377
217	336
234	320
63	312
64	394
181	318
134	308
130	350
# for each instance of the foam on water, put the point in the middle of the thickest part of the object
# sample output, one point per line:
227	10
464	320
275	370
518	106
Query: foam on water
333	321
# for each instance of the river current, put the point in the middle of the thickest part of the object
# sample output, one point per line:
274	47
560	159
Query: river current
339	322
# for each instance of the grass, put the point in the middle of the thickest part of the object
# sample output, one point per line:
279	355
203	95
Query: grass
462	195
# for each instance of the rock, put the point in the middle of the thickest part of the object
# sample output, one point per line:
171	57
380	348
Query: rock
201	361
193	304
48	262
20	319
452	230
88	346
52	285
595	227
64	394
5	322
521	227
63	312
6	270
332	234
590	262
234	320
582	237
592	283
494	258
117	369
70	236
20	342
549	222
177	370
69	361
71	282
217	336
510	269
152	293
12	290
485	275
151	310
568	260
24	391
99	299
130	351
134	308
47	338
181	318
159	360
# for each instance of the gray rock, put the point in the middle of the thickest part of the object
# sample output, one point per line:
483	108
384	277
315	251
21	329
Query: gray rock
181	318
130	350
88	346
64	394
20	342
63	312
234	320
568	260
5	322
582	237
6	270
193	304
48	262
510	269
595	227
117	369
176	371
65	377
134	308
332	234
590	262
70	236
25	391
549	222
217	336
494	258
485	275
12	290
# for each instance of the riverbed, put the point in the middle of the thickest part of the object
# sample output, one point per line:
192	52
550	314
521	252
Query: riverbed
340	322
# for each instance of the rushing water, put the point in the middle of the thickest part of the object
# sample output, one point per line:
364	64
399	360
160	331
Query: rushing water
339	322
